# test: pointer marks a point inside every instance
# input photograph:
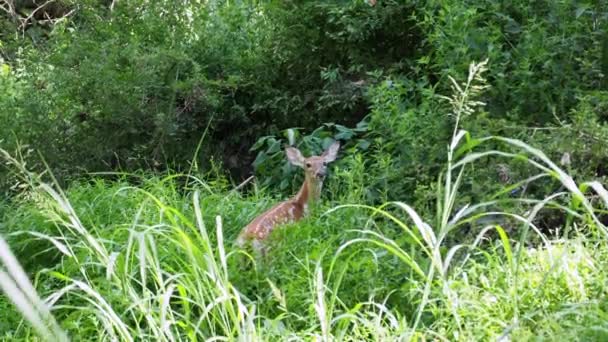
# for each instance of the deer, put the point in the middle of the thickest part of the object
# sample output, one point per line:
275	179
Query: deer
295	208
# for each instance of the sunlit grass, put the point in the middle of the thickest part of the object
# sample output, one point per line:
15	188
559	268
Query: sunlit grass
155	261
169	274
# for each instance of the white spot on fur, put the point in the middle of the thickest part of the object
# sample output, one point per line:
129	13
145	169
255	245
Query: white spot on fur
291	213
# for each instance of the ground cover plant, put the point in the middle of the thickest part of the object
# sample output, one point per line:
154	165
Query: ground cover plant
468	201
155	261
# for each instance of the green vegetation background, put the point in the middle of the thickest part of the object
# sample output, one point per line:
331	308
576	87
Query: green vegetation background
217	89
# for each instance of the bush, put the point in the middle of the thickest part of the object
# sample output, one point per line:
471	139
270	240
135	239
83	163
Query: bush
113	90
543	54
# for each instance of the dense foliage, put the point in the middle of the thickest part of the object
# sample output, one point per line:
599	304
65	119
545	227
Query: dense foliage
139	84
124	85
170	104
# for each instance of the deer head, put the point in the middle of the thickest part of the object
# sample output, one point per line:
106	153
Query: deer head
315	170
315	167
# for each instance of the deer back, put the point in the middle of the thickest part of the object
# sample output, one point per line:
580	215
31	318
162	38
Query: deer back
262	226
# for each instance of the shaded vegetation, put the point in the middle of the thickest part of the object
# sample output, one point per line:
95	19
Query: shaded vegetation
136	86
440	220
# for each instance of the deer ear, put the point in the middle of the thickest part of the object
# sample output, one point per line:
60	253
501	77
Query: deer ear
295	156
331	153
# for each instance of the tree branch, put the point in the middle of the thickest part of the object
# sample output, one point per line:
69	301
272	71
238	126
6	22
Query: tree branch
8	6
26	20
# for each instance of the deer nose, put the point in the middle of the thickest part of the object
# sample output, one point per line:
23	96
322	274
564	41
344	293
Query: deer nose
321	174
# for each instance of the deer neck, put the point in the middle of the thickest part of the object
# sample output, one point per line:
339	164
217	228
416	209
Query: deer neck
309	192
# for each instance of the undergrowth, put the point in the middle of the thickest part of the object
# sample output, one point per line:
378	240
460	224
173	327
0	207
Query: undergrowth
152	259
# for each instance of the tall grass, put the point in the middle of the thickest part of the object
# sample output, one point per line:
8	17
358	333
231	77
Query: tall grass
431	241
144	264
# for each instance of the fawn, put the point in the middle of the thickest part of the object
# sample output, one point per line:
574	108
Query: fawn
315	169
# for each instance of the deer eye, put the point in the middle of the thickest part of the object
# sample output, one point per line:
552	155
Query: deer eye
308	165
325	163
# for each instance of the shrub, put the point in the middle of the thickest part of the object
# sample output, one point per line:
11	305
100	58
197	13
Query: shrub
114	90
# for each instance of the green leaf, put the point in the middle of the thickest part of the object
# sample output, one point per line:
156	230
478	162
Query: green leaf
284	184
327	142
5	70
259	143
275	146
580	11
344	135
363	144
259	159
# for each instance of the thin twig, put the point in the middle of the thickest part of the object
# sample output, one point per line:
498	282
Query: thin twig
245	182
54	21
9	9
536	128
26	20
564	127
